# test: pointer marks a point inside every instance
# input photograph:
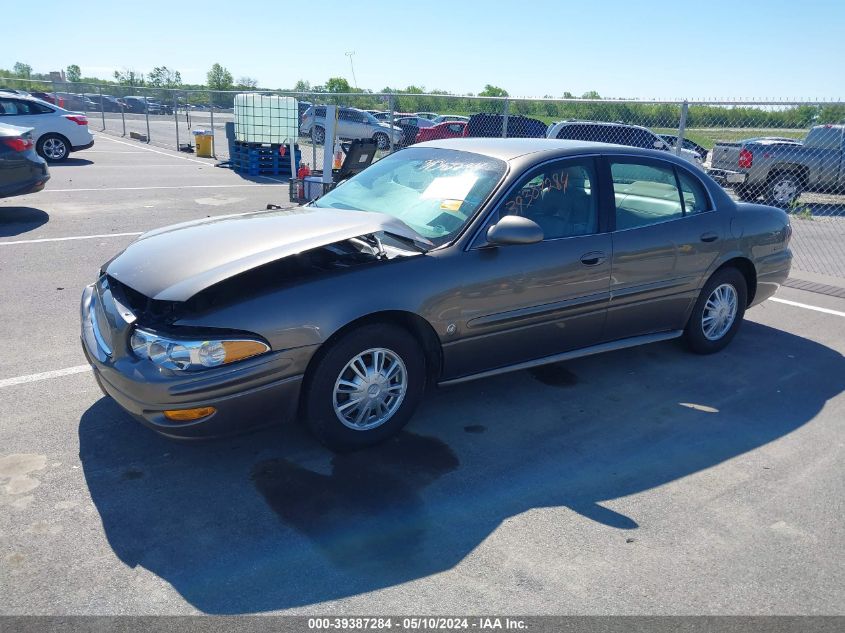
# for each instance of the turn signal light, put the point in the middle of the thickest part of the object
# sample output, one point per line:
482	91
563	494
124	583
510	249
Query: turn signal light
189	415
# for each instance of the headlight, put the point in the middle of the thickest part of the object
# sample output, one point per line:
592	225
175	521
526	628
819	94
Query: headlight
192	354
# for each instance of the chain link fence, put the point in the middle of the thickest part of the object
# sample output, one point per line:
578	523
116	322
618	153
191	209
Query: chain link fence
787	153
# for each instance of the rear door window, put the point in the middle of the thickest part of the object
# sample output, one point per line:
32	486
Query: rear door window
824	137
644	193
694	195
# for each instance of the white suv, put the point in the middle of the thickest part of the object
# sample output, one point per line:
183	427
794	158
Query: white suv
618	134
57	132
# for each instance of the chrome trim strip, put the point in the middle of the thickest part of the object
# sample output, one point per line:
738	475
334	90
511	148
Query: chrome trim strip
578	353
539	310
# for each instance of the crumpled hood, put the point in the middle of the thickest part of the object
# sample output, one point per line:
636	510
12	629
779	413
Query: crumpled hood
176	262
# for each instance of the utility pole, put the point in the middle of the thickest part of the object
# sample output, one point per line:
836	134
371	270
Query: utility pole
349	54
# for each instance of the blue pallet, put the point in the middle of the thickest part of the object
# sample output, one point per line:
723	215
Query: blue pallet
261	159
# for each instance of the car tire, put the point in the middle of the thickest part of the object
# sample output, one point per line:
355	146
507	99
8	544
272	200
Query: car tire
382	141
350	371
54	148
318	135
783	189
718	312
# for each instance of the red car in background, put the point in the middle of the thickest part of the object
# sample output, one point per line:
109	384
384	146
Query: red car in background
447	129
49	98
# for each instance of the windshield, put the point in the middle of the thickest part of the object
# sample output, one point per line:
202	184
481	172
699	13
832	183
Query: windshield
372	119
434	191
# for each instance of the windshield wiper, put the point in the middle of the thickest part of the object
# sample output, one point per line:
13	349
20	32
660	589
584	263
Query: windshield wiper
420	243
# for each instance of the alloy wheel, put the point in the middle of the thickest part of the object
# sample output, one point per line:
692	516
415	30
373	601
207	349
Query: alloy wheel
784	191
54	148
370	389
719	312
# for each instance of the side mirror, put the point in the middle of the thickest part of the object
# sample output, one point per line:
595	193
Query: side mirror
514	229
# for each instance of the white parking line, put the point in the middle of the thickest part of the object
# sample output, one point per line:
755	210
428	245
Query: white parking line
74	237
67	371
255	184
150	149
807	307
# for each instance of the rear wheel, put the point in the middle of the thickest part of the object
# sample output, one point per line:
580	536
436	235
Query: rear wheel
365	388
718	312
784	188
53	148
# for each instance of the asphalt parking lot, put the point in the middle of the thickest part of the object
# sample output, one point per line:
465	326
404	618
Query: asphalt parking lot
646	481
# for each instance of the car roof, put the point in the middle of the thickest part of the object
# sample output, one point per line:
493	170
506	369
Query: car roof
607	123
508	149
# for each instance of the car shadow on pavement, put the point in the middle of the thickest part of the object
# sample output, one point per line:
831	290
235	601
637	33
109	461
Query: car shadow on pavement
271	521
72	162
17	220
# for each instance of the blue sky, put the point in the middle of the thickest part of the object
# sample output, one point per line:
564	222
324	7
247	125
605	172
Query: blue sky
644	49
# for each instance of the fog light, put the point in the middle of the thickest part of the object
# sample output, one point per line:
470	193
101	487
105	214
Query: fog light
188	415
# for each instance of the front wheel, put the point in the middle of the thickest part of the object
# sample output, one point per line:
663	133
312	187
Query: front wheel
318	135
53	148
718	312
382	142
365	388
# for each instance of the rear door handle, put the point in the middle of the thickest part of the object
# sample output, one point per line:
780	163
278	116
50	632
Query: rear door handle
709	237
593	258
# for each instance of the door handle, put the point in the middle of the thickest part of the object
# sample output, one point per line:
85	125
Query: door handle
709	237
593	258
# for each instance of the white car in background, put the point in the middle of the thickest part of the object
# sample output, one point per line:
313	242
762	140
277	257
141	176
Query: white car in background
57	132
618	134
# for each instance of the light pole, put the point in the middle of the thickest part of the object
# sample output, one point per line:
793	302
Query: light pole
349	54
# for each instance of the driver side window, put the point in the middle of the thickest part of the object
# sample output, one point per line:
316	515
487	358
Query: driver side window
561	197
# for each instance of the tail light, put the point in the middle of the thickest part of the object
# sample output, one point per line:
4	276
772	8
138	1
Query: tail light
61	102
19	144
746	158
79	119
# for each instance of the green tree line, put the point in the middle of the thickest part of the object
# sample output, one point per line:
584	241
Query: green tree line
160	82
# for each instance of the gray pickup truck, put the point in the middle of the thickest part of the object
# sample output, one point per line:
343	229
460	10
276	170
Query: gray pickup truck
780	169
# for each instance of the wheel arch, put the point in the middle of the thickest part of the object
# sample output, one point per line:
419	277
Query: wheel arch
413	323
802	171
748	270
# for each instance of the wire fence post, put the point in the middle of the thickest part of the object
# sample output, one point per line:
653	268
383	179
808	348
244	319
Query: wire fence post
147	115
313	144
211	112
682	127
55	95
176	117
506	110
390	108
102	108
122	104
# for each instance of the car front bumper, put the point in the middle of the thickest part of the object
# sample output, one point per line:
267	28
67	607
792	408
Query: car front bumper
249	394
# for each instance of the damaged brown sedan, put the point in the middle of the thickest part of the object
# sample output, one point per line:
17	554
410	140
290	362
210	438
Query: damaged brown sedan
444	262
